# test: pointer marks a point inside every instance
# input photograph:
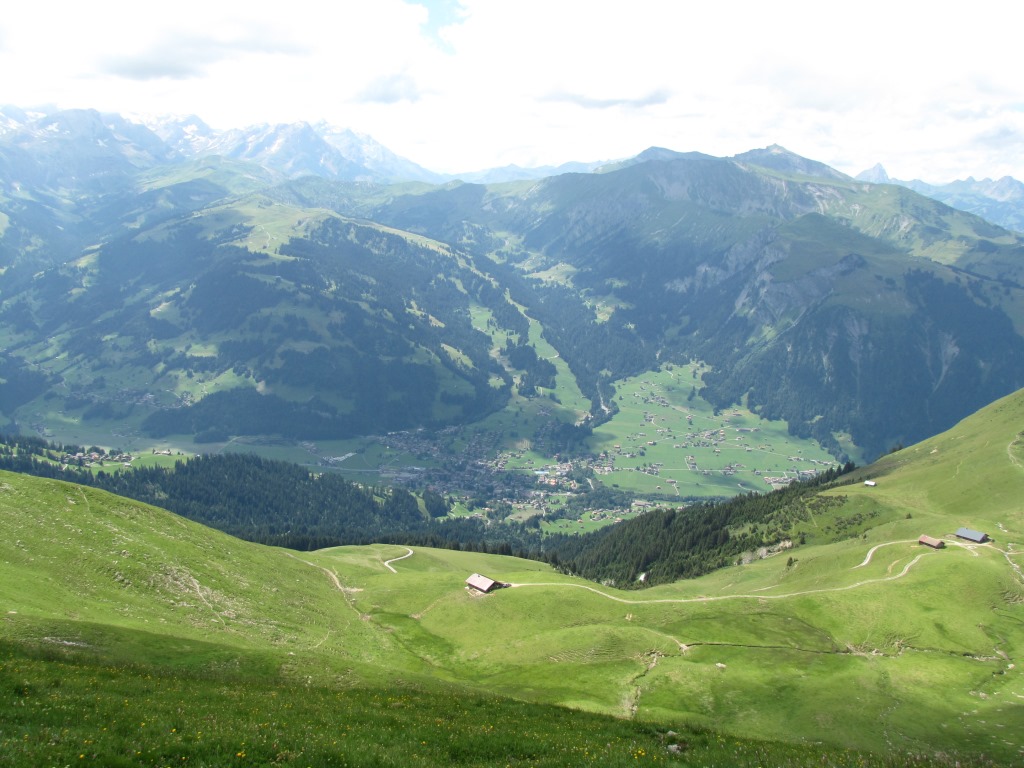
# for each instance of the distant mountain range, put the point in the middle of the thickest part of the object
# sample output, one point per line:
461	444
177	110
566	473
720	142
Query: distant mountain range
327	151
178	280
292	149
1000	201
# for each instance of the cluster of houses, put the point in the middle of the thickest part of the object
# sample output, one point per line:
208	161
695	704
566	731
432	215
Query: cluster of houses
476	466
88	459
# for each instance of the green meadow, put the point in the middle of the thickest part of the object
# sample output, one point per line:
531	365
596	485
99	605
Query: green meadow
71	708
590	521
666	439
859	647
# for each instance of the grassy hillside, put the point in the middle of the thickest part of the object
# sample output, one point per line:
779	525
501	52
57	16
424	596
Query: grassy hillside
869	643
309	310
131	637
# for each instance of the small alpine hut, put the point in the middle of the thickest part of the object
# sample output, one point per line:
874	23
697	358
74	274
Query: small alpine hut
483	584
971	535
931	541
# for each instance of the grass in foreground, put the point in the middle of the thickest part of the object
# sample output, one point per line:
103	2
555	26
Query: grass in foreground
61	706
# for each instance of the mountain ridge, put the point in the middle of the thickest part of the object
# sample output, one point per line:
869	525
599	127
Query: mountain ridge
1001	201
863	315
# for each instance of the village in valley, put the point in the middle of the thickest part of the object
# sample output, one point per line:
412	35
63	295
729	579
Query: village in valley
665	446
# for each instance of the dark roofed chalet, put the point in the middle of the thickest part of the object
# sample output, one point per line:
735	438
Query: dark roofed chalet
971	535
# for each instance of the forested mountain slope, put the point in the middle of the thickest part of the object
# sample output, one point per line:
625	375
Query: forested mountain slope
214	298
350	328
839	306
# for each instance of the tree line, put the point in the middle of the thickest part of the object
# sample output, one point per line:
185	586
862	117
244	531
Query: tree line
666	545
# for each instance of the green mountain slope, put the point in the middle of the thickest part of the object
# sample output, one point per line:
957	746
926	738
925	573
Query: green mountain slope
131	637
861	638
958	479
972	474
863	315
839	306
87	567
274	319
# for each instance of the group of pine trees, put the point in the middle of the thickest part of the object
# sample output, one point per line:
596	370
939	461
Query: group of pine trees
667	545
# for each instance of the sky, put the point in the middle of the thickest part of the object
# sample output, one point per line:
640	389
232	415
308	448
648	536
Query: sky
931	90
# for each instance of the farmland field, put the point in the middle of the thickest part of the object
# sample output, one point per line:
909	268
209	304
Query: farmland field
664	441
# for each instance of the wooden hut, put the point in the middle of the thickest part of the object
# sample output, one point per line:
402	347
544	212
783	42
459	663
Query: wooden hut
483	584
930	541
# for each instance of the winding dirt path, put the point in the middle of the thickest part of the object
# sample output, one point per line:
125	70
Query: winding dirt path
331	574
871	552
387	563
1009	452
345	591
199	593
707	599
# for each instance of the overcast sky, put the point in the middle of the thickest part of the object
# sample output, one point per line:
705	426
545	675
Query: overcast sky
932	90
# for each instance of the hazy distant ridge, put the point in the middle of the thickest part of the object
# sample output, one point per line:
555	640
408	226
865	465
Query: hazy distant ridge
1001	201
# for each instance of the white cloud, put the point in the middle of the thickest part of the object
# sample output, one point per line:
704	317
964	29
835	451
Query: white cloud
929	89
390	89
188	55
